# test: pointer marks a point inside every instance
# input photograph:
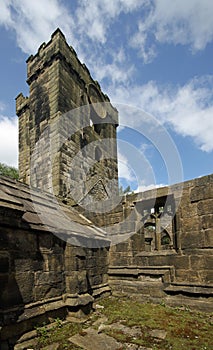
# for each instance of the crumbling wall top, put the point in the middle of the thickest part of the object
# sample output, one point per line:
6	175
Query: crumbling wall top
56	49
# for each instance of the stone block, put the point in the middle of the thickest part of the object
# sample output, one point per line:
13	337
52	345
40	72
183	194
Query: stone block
55	262
197	262
194	239
205	207
77	282
25	265
208	238
47	291
201	192
95	280
190	210
206	222
72	284
90	262
25	284
190	224
206	276
21	243
50	278
122	247
94	340
180	262
187	275
158	260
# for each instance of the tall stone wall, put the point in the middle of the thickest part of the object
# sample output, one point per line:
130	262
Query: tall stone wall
64	126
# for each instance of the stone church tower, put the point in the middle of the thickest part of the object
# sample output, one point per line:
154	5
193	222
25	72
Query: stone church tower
67	127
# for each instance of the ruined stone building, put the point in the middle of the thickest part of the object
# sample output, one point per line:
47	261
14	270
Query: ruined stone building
65	112
66	237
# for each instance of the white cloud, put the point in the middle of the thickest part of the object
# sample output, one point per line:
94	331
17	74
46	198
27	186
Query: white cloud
5	15
140	41
178	22
187	109
184	22
34	21
175	22
114	72
94	17
124	171
9	141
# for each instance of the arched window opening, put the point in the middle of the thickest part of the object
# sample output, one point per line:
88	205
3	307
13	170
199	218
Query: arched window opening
165	240
149	236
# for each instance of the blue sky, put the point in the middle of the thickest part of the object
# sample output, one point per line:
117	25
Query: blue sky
151	55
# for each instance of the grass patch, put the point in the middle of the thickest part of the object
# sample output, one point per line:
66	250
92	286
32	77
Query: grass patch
185	329
60	333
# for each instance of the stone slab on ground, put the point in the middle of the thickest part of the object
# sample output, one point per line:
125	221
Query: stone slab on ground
158	333
134	332
90	339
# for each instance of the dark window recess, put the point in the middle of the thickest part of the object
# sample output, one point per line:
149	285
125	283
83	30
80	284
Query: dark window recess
4	264
83	140
98	128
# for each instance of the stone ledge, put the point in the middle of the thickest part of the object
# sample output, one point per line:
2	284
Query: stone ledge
142	276
25	319
44	306
158	253
78	300
189	289
137	271
101	289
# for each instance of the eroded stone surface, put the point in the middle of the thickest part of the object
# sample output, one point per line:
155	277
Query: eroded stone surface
158	333
59	150
40	273
90	339
134	331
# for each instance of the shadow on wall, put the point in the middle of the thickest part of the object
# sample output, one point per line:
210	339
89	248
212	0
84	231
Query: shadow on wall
18	262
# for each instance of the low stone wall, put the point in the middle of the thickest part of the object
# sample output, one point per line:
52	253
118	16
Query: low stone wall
187	263
183	245
43	276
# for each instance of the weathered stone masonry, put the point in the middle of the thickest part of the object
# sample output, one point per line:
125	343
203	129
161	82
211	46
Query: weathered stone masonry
177	266
42	276
54	260
58	119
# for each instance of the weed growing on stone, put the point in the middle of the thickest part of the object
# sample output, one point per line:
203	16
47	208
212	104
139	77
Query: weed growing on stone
183	328
42	333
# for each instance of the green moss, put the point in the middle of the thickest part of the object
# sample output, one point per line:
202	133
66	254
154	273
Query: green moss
185	329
